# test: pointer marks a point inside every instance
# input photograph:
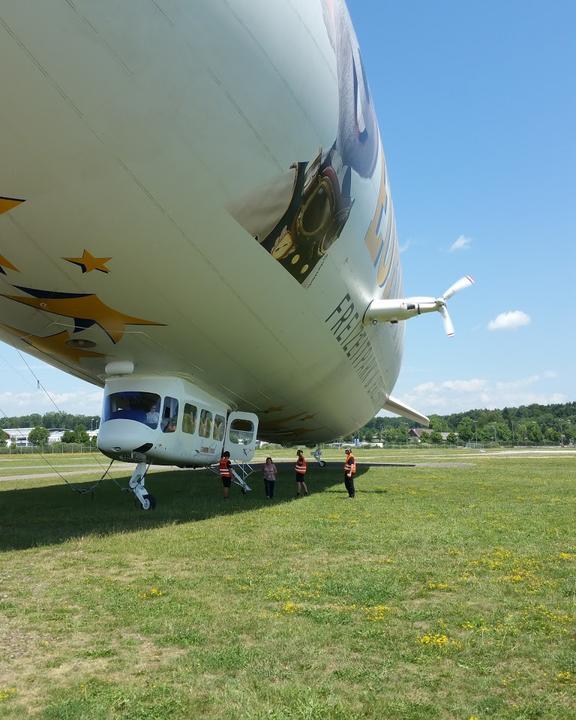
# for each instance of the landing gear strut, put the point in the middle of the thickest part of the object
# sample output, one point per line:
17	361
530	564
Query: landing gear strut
318	455
136	485
236	478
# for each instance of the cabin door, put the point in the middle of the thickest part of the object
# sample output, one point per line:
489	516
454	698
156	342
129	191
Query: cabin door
240	439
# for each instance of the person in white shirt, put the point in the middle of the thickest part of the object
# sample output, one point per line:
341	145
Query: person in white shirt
270	473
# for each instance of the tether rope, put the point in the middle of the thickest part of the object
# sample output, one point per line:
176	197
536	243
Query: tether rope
73	486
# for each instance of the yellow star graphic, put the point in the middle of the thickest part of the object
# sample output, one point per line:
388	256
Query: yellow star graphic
7	204
52	345
88	262
85	309
6	264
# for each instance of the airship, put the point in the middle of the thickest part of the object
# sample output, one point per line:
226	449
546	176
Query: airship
195	216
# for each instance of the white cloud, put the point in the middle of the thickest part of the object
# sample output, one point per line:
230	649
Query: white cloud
461	243
451	396
472	385
520	383
509	320
24	403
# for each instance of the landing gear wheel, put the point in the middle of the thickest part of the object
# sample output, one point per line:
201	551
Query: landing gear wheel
149	502
136	485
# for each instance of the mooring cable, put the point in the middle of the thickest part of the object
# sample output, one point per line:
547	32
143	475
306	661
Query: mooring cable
73	486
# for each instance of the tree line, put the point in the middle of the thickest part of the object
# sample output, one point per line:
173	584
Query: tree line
524	425
51	420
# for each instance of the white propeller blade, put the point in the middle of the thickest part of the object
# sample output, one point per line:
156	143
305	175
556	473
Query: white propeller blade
448	325
464	282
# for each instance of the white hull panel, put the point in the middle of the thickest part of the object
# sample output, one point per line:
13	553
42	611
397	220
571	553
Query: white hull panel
132	131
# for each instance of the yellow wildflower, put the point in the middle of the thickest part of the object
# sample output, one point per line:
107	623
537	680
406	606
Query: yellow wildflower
290	607
516	577
438	586
376	613
435	639
280	593
7	693
151	593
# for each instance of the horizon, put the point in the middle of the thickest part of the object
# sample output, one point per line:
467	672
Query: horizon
382	414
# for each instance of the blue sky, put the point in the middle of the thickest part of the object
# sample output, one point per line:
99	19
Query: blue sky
477	110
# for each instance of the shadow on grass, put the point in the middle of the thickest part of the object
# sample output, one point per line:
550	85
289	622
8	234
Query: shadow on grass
31	517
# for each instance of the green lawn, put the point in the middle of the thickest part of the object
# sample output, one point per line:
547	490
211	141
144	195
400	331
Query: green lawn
441	591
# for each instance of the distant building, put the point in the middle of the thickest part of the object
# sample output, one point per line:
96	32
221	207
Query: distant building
416	434
55	436
19	436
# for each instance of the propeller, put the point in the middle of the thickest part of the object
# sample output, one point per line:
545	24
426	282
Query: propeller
394	310
448	324
464	282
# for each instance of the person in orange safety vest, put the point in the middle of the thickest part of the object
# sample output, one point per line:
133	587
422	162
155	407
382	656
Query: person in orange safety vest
349	472
300	474
225	468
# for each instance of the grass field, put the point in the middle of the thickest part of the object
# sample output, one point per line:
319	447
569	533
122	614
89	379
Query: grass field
445	590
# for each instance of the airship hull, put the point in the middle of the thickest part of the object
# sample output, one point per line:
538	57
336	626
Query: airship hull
199	188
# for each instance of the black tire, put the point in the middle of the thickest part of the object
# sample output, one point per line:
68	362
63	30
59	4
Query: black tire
152	500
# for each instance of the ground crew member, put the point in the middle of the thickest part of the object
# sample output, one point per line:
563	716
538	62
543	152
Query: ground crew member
270	473
225	467
349	472
300	468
